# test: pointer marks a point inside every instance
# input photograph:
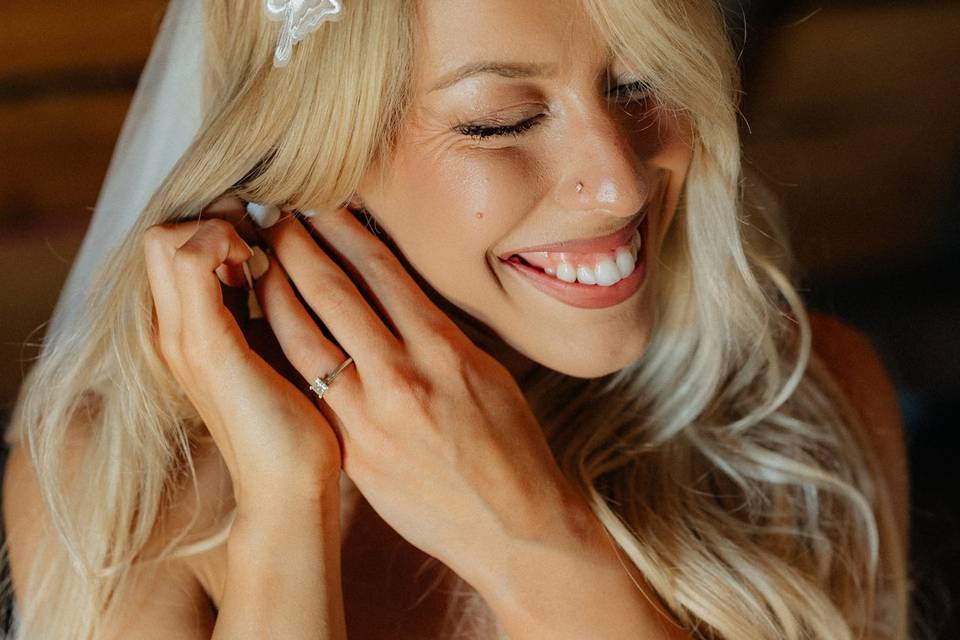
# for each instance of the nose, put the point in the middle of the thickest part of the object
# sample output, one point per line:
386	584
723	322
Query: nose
600	171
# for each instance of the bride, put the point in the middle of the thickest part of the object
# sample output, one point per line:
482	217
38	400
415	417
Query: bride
423	319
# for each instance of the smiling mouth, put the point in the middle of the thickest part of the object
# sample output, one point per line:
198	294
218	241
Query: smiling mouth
601	287
599	261
591	273
595	268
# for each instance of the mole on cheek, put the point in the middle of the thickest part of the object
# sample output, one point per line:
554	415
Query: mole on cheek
478	215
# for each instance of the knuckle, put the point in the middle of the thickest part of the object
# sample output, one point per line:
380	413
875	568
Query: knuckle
302	359
219	226
186	258
447	347
212	231
337	300
381	265
329	295
441	328
155	240
409	390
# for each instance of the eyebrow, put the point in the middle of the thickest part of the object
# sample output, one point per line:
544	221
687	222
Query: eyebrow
505	69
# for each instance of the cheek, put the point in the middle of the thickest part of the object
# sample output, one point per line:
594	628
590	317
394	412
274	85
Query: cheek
460	206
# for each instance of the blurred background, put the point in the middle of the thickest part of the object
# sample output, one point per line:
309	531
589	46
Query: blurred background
851	115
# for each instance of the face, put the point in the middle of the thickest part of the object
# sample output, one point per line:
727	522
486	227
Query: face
505	185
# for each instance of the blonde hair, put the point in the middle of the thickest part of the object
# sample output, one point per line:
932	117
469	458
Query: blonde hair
725	462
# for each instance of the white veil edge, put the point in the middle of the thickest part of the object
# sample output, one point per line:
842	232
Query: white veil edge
161	123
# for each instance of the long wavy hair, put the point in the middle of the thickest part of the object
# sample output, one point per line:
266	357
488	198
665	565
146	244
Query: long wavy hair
725	462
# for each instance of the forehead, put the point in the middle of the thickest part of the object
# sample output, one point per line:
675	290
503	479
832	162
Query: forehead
548	32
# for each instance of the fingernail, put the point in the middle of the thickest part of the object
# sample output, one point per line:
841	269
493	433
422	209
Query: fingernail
265	215
259	263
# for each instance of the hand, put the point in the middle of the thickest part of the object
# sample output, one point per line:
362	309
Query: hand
276	445
436	434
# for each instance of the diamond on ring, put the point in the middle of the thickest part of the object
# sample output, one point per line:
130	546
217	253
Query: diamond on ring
321	384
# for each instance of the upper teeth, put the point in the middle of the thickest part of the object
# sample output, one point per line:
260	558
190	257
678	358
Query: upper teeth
611	267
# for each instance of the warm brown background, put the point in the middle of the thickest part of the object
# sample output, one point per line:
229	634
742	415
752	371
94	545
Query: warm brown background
851	113
67	73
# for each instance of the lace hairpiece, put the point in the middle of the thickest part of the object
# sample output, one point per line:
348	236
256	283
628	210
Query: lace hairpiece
300	18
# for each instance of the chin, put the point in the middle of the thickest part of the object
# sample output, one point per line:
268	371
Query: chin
589	360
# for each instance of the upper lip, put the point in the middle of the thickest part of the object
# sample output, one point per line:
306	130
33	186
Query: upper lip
607	242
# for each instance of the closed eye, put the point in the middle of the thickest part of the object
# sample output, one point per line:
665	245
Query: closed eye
636	92
482	131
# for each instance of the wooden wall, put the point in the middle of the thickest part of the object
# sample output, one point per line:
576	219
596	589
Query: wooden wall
67	73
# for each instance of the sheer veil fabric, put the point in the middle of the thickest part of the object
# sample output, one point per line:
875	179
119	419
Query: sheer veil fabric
162	121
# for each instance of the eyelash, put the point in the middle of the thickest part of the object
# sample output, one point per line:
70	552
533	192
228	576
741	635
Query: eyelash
484	131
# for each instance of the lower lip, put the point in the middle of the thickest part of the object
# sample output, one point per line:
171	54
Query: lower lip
587	296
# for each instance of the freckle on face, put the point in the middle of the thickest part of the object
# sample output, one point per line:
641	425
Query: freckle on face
478	215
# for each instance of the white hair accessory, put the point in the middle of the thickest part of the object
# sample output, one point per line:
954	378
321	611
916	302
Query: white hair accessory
300	18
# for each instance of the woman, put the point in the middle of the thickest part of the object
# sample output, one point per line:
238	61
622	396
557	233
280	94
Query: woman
571	390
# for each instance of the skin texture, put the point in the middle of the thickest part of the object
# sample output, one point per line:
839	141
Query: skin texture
435	432
452	204
502	516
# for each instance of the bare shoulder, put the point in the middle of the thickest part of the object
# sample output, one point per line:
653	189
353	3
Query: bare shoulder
860	373
25	516
165	600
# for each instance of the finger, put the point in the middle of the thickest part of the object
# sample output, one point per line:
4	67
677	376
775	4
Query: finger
215	242
231	275
234	210
410	309
301	340
230	208
331	294
159	244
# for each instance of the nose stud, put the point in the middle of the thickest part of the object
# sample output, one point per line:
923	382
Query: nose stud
579	187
